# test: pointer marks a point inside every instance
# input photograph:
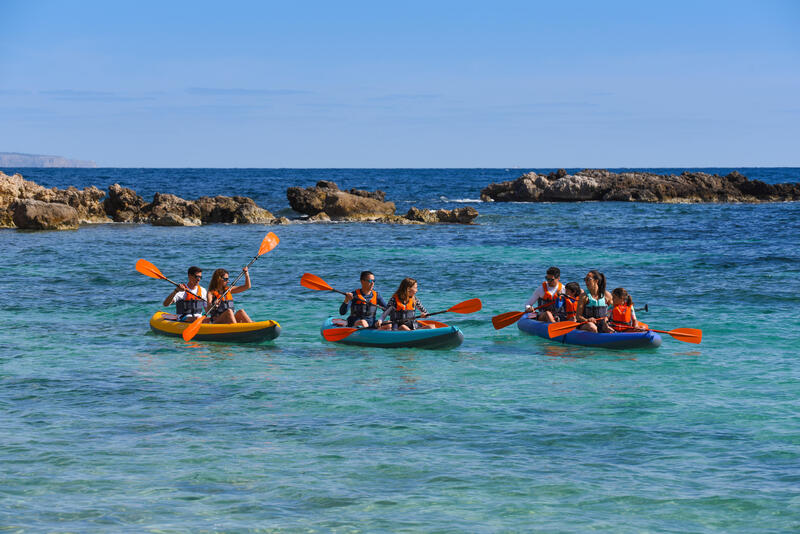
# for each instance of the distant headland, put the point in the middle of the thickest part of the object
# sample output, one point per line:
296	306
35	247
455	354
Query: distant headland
16	159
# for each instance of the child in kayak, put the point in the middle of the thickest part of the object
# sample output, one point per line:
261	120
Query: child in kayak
545	297
363	303
568	306
403	306
224	312
622	314
189	299
593	305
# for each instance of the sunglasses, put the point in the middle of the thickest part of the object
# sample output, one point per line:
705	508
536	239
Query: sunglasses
371	281
549	279
198	276
225	279
588	278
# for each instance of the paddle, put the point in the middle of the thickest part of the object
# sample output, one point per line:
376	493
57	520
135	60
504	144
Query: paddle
508	318
312	281
688	335
468	306
148	269
269	242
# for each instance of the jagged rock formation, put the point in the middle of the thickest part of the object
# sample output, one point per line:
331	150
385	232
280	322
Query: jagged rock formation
17	208
637	187
326	201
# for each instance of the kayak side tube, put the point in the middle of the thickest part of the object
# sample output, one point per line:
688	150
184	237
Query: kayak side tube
441	337
615	340
167	324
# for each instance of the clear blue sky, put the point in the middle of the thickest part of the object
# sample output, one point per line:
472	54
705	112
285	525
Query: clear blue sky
409	84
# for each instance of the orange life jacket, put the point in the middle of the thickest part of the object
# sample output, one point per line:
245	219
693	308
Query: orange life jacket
548	301
226	304
570	308
190	304
404	313
622	314
361	307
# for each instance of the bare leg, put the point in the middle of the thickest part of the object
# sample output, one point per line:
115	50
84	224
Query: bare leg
547	317
403	327
225	317
361	323
242	317
589	327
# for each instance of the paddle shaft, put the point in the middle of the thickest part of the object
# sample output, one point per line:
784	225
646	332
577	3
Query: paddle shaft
178	286
219	299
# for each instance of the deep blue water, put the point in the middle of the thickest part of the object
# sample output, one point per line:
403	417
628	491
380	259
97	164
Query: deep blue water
108	427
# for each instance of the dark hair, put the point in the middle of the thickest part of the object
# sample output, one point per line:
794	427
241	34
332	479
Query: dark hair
555	272
573	287
601	282
216	280
623	294
365	274
402	291
194	270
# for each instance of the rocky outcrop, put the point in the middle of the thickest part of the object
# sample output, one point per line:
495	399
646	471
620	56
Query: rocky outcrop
91	205
465	215
637	187
326	197
38	215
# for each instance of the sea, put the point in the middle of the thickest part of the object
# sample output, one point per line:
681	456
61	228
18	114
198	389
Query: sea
108	427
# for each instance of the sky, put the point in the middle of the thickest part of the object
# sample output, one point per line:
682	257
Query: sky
412	84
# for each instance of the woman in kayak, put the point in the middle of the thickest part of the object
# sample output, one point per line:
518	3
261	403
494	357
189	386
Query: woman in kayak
622	314
224	312
403	306
593	305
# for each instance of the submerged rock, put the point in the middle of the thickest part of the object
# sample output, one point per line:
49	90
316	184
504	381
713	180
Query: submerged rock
596	184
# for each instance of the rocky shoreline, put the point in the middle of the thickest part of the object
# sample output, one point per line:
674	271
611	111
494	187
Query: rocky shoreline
595	184
27	205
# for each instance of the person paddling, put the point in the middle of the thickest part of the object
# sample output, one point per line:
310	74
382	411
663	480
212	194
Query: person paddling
363	303
189	298
593	305
403	306
546	296
622	314
224	313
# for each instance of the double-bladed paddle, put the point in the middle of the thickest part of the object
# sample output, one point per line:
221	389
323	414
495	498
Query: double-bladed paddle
689	335
312	281
269	242
468	306
148	269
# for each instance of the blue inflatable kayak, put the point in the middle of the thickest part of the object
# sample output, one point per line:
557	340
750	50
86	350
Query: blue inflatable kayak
441	337
617	340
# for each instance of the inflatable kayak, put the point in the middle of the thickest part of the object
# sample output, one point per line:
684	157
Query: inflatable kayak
616	340
441	337
168	325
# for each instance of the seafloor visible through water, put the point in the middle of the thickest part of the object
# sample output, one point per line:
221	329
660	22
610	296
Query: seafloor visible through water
108	427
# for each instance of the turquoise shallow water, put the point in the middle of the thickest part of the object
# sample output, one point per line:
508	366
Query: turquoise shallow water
108	427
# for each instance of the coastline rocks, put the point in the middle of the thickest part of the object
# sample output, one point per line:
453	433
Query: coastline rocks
31	214
15	188
123	204
595	184
465	215
337	204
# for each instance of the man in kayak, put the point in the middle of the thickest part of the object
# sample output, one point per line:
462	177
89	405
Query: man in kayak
363	303
190	298
547	296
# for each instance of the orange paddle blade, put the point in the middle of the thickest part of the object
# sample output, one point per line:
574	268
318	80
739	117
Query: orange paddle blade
312	281
506	319
148	269
336	334
468	306
559	329
689	335
192	329
270	241
435	324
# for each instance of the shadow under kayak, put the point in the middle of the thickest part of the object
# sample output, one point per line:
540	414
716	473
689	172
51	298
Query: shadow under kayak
616	340
168	325
442	337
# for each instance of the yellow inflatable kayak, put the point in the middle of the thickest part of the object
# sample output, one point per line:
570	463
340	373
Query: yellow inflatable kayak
168	325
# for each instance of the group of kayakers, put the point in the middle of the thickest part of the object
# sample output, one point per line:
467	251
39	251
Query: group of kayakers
191	299
598	309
